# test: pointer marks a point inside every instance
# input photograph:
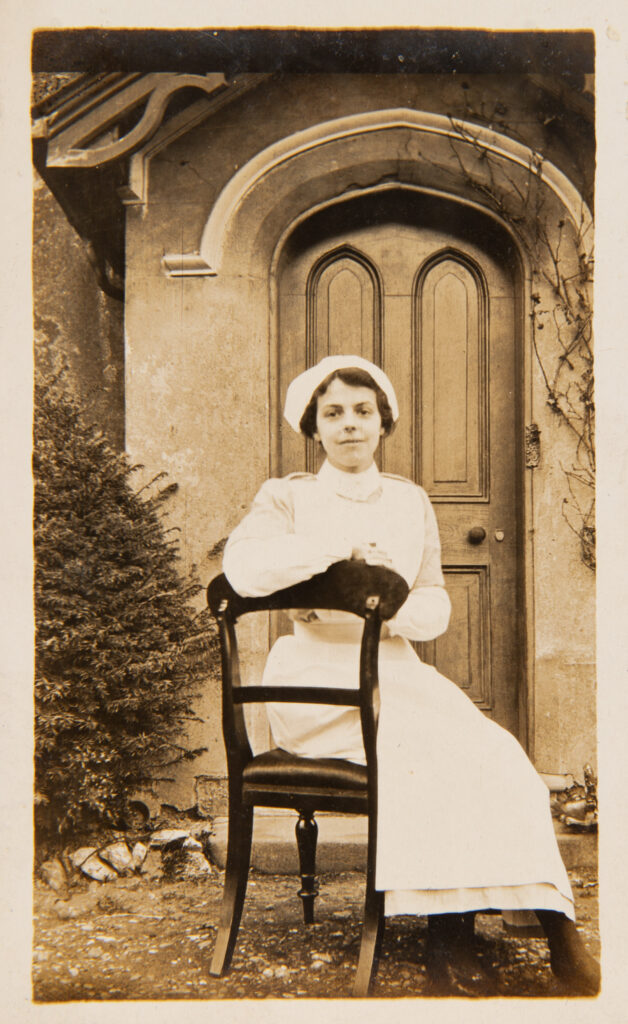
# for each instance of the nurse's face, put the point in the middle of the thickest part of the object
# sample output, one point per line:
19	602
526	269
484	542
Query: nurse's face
348	425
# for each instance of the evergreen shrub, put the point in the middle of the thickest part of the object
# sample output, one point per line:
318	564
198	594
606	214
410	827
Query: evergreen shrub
121	646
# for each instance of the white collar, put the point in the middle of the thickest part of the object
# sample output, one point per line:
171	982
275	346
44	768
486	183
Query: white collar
355	486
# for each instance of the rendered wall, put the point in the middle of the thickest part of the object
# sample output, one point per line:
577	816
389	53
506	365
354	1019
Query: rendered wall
74	321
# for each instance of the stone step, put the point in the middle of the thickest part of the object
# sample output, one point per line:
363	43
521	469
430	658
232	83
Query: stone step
342	844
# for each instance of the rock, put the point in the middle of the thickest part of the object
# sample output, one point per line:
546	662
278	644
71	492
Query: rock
575	809
202	833
192	844
165	836
78	858
186	862
196	864
586	824
95	868
54	875
152	865
138	855
119	857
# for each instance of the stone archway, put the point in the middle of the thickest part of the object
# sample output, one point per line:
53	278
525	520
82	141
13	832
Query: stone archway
417	148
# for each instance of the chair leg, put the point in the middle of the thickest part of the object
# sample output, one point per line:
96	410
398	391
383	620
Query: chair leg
370	945
307	835
236	877
373	926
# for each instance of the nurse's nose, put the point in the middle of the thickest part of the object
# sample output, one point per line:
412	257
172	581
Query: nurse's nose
350	420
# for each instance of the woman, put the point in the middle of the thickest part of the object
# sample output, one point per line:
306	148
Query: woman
464	822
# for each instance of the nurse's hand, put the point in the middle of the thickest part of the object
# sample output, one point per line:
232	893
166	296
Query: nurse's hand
372	555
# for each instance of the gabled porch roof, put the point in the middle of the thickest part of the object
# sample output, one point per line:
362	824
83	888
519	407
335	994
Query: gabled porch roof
86	133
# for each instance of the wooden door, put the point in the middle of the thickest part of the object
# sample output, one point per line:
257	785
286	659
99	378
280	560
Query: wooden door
424	288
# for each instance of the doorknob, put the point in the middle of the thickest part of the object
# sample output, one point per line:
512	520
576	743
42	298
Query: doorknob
476	535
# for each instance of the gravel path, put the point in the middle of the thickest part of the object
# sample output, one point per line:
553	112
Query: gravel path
140	938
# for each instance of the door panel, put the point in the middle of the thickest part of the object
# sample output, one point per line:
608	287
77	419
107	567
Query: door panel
452	400
467	662
424	289
343	303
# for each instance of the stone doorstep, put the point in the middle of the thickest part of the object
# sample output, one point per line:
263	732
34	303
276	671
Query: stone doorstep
342	843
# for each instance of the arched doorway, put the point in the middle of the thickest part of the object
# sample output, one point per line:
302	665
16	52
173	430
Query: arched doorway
501	214
429	288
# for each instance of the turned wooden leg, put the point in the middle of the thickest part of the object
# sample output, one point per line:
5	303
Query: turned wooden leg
236	876
307	834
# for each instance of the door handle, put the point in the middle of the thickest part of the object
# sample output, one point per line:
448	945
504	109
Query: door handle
476	535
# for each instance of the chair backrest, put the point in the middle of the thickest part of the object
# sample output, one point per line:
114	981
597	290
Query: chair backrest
372	592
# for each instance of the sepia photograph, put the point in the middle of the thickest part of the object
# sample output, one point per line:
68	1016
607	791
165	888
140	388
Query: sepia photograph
315	560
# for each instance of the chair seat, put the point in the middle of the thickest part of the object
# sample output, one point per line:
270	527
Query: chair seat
278	768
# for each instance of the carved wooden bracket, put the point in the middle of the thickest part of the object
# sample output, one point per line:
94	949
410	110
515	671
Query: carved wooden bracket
84	133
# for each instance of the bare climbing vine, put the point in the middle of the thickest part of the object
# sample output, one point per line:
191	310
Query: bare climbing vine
568	379
560	311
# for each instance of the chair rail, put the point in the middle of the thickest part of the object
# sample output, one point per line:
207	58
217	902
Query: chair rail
344	586
296	695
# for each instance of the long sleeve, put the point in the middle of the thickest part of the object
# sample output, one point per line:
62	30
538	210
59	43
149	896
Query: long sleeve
425	613
264	553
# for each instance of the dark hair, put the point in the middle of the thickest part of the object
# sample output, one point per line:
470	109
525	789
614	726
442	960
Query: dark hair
355	378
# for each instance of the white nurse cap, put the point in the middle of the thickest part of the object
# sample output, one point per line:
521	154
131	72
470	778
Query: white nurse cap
303	387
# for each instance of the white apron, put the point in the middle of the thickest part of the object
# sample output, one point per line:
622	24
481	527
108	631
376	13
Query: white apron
463	817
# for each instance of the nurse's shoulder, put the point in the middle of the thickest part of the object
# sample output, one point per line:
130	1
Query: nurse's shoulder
281	493
400	487
286	484
296	483
401	483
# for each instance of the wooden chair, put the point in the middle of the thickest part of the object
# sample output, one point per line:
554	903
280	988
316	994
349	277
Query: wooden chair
279	779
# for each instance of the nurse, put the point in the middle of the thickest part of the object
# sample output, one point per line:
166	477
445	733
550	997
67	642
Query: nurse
497	849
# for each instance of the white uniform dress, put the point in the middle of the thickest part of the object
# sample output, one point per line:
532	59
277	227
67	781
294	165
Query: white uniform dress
463	817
